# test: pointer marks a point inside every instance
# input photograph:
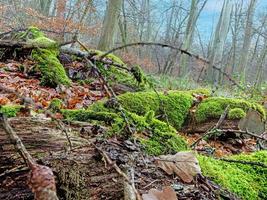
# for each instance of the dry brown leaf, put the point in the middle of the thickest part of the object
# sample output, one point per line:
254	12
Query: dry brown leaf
4	101
167	194
183	164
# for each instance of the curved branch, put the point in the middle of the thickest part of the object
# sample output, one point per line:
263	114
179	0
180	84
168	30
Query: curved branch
183	51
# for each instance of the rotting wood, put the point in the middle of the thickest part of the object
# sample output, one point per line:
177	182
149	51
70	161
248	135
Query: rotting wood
41	179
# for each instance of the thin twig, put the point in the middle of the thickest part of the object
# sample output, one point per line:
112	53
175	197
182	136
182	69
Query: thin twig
15	169
16	141
212	130
260	164
118	170
242	132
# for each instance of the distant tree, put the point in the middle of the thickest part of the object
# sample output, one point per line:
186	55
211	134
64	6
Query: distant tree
194	13
110	25
218	42
244	54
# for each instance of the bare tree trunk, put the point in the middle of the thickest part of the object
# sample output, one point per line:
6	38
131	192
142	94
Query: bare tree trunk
110	25
189	33
219	40
243	60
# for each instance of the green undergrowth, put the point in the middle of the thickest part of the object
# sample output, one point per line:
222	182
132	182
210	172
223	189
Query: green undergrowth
246	181
10	110
172	107
214	107
53	72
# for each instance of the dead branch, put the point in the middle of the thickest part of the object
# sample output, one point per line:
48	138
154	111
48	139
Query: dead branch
108	89
197	57
15	140
260	164
242	132
25	45
212	130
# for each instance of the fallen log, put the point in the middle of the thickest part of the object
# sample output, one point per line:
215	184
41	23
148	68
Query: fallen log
79	174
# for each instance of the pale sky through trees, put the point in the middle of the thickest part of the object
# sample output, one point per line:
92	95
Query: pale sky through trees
208	18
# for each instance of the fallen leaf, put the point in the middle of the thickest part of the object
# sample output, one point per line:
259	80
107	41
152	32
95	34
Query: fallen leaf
183	164
166	194
4	101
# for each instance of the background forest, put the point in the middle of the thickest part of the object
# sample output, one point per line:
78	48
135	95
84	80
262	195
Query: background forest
231	34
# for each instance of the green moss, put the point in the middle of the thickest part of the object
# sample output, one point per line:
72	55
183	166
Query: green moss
175	105
140	102
136	79
213	107
10	110
55	105
162	138
53	73
247	181
236	113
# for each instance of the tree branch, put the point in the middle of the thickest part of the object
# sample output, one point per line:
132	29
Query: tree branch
178	49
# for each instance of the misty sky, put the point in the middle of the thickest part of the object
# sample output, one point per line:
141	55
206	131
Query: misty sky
211	12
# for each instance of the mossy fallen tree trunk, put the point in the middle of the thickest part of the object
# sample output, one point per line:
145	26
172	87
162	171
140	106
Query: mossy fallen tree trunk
47	54
43	51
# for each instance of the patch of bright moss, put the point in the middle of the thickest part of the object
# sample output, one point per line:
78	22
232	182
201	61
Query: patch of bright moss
55	105
213	107
175	105
246	181
162	138
236	113
53	73
10	110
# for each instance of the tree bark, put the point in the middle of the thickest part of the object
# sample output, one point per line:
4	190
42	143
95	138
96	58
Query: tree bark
79	174
110	25
244	56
